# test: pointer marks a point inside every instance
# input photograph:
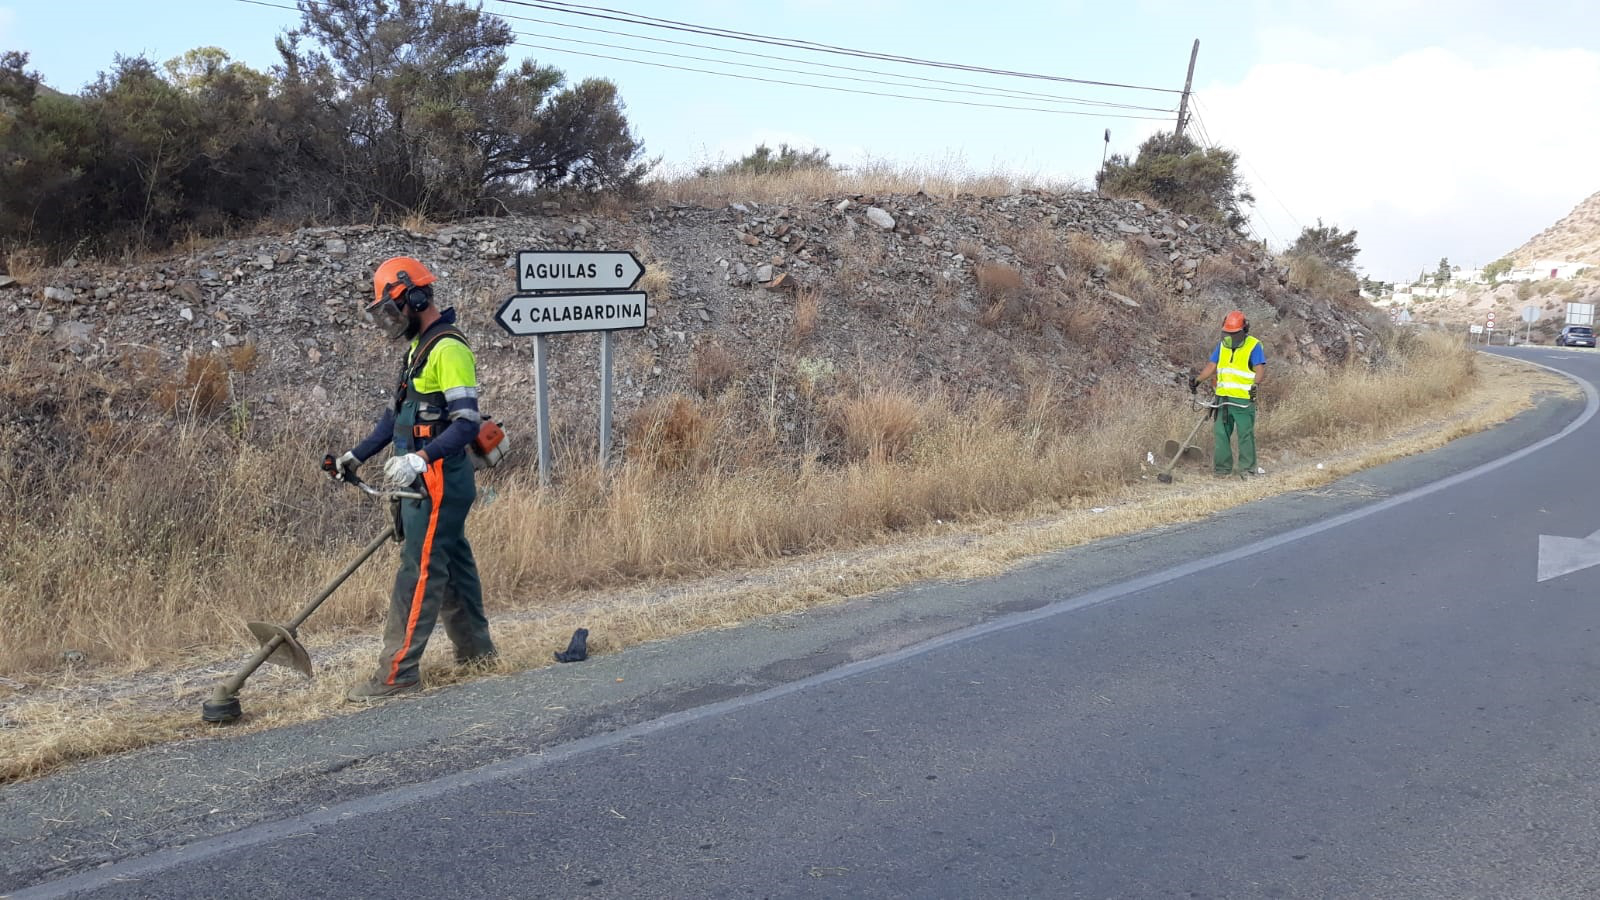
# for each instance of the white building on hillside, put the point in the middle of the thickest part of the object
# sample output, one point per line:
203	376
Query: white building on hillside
1426	291
1545	269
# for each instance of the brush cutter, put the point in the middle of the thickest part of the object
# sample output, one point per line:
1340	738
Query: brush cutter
280	644
1177	450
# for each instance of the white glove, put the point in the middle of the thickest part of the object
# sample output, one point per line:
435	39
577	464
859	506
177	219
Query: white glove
401	471
345	466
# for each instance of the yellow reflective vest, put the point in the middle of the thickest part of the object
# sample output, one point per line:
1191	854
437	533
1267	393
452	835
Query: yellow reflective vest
1234	375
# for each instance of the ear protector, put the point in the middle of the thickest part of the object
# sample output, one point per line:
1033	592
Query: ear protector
417	298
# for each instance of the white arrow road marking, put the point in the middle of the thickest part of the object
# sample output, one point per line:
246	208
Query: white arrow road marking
1560	556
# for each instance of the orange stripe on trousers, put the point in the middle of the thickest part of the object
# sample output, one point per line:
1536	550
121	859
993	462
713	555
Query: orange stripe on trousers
433	477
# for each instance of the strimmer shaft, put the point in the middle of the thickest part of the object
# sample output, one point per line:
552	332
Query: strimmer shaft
228	689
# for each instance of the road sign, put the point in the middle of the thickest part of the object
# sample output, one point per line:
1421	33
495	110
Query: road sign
577	270
1477	329
1580	313
1530	314
1491	321
1405	317
567	291
526	314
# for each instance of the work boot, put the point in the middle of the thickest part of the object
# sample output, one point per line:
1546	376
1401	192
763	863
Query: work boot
481	662
375	690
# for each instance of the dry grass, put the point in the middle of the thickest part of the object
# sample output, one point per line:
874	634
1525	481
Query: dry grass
25	264
173	541
879	425
656	282
713	368
1082	320
1122	264
1312	275
1037	245
807	307
858	259
1219	270
1084	253
997	281
220	524
937	180
999	287
671	433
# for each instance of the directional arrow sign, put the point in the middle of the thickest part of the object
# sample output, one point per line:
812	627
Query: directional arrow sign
528	314
576	270
1563	555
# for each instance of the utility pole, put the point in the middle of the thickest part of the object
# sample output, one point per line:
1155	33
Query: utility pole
1188	81
1104	150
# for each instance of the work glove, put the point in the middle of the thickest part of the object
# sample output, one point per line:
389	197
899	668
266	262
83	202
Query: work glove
1194	385
401	471
344	468
1252	393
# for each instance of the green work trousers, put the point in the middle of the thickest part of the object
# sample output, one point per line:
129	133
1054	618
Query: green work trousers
1231	419
438	576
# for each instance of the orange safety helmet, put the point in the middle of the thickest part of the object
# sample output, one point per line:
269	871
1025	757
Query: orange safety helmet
1235	322
396	278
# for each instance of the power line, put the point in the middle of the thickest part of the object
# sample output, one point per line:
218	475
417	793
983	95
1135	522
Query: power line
820	87
1021	94
1205	135
1263	182
1036	98
629	18
826	87
1200	126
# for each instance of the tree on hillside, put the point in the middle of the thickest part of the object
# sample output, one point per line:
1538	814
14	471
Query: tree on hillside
1177	173
426	119
1441	275
762	161
1499	267
45	144
1329	244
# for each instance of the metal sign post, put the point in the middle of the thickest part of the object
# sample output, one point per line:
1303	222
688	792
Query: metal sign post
1529	315
541	390
569	291
605	398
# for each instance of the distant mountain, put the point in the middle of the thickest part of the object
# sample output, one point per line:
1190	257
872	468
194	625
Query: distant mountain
1575	238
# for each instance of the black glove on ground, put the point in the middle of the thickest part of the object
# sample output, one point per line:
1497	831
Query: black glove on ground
577	650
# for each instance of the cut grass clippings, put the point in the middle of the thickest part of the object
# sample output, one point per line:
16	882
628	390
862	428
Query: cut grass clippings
643	557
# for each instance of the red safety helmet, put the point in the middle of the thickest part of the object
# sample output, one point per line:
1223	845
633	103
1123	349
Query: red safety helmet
1235	322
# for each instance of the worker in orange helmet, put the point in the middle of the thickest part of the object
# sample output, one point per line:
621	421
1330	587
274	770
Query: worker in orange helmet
431	423
1237	363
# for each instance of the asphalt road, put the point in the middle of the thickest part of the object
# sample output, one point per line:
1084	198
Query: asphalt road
1380	701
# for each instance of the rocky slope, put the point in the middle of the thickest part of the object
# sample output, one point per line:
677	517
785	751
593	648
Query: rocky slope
1576	238
976	293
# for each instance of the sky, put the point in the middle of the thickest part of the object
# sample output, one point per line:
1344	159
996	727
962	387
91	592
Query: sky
1434	129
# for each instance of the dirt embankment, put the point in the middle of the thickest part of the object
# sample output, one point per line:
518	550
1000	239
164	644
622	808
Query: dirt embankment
986	294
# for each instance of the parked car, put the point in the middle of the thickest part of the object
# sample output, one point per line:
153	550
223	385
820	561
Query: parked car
1575	336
